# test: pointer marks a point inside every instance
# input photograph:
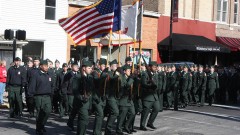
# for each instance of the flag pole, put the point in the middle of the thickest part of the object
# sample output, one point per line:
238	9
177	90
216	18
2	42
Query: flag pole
140	34
119	47
134	49
109	48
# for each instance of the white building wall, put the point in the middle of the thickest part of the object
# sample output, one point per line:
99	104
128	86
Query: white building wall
29	15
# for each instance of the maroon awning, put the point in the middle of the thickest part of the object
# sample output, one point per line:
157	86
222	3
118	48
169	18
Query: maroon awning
232	43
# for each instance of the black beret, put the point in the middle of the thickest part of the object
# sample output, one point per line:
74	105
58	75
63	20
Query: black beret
212	66
127	67
152	63
113	62
185	66
87	64
17	59
44	62
36	58
172	66
64	65
135	66
74	64
200	66
102	61
128	59
56	61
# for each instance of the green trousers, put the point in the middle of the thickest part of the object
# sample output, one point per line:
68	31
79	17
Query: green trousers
147	106
160	98
83	117
125	112
112	107
15	100
99	115
44	108
74	112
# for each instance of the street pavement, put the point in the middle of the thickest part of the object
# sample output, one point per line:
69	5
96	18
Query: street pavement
193	120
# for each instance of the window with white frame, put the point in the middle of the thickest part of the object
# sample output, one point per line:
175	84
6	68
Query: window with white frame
222	9
50	9
235	20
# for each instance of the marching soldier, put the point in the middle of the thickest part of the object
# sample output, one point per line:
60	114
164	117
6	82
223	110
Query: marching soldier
83	95
112	97
199	96
30	73
126	106
56	71
67	87
16	80
172	87
184	86
40	87
99	94
162	85
149	83
212	84
63	104
136	96
194	89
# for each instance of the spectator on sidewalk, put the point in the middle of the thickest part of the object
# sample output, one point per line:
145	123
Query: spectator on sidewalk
3	77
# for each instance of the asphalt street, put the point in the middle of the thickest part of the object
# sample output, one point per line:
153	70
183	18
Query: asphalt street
190	121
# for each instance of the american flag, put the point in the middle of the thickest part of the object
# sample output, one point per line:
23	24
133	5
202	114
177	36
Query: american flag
89	22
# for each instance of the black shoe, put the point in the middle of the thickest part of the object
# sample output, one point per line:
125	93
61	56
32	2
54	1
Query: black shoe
107	132
151	126
143	128
127	130
133	130
39	132
120	133
44	129
70	127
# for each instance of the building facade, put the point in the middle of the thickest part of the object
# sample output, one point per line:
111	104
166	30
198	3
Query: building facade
44	37
94	51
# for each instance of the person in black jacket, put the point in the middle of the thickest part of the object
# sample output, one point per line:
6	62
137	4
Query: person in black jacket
16	80
62	97
40	87
67	87
30	73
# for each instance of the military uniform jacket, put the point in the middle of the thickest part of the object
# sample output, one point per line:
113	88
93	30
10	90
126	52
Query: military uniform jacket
194	79
67	85
201	80
185	81
40	84
59	81
126	91
149	87
100	81
162	78
113	86
16	76
172	81
53	76
212	81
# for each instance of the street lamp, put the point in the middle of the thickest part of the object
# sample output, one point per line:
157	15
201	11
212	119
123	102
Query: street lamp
19	35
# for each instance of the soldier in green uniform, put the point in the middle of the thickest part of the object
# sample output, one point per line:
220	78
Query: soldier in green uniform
149	83
162	85
16	80
99	95
172	87
112	97
83	97
193	90
184	86
40	87
56	97
126	106
136	95
212	84
201	86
